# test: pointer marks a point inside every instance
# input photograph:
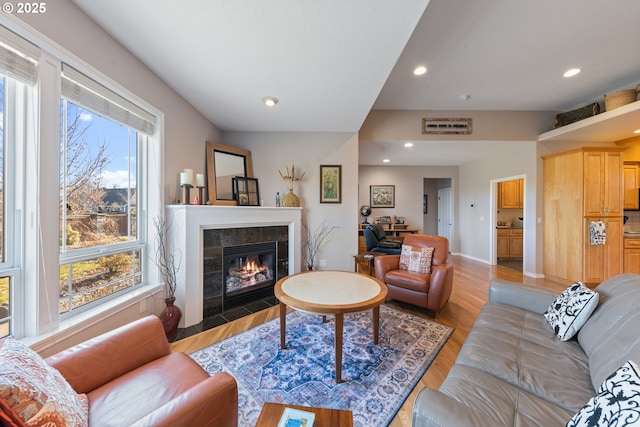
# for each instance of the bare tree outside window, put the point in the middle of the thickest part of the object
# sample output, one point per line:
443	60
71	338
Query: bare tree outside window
97	206
82	165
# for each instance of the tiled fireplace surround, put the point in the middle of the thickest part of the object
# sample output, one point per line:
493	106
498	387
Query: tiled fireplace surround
214	243
240	223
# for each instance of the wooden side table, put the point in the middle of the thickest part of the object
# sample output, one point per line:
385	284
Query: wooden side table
325	417
362	264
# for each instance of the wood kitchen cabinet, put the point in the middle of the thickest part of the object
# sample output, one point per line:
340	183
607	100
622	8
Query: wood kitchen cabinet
509	242
603	183
632	256
603	261
503	242
581	186
631	184
516	239
511	194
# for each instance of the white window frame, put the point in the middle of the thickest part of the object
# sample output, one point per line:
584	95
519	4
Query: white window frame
18	104
94	252
36	312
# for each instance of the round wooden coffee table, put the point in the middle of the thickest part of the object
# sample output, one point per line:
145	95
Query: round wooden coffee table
331	293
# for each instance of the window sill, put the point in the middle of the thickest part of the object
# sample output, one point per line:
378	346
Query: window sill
87	319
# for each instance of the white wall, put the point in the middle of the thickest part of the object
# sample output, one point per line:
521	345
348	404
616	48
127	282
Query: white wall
477	202
471	185
275	151
409	182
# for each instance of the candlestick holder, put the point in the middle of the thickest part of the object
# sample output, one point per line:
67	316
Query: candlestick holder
186	189
200	194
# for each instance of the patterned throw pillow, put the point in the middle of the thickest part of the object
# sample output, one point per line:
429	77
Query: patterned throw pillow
416	259
571	310
617	403
38	393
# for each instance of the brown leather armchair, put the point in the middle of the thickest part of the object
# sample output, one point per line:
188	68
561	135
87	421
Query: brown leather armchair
132	378
431	290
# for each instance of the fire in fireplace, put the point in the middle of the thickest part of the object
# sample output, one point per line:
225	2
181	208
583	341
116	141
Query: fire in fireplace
245	272
249	273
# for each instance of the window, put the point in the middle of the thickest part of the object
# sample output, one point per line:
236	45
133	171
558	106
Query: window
5	282
77	186
18	59
100	246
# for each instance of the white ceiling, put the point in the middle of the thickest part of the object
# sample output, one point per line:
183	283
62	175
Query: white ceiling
330	62
326	61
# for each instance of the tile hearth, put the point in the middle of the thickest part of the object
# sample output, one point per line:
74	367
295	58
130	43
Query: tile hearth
226	317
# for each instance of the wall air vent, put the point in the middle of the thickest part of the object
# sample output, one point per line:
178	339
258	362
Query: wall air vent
446	126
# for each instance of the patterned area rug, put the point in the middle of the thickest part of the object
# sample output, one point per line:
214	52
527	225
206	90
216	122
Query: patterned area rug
377	378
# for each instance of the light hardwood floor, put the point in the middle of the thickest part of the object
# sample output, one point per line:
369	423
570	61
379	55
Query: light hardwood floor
470	289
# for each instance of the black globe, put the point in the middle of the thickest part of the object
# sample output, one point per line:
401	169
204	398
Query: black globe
365	210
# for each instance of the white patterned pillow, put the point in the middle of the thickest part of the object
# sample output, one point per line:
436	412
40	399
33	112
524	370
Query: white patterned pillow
416	259
571	310
617	403
37	392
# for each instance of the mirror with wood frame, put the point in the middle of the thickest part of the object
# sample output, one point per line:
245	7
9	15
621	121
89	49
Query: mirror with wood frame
223	164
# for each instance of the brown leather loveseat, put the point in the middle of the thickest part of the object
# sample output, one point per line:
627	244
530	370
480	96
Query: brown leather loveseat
132	378
429	290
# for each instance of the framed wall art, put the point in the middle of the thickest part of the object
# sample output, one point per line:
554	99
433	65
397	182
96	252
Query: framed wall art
382	196
330	183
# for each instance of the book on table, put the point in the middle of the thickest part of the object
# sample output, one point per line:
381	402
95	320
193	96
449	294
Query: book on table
296	418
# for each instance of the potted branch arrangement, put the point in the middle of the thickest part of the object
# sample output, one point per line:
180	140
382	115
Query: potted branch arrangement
314	240
168	264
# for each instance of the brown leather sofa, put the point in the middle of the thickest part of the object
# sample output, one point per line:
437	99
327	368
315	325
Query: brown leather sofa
431	290
132	378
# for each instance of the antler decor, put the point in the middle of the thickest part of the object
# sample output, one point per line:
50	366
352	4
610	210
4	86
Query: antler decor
291	177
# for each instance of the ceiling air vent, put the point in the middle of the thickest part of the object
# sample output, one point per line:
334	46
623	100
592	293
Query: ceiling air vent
446	126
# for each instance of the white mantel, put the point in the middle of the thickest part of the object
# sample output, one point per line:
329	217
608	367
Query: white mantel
186	235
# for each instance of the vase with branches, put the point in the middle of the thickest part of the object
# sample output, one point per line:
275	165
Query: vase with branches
290	199
313	240
168	263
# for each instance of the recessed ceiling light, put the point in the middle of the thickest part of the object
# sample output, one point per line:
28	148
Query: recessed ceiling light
270	101
420	70
386	161
408	144
572	72
636	131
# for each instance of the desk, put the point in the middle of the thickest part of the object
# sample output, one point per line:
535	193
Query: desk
331	292
390	231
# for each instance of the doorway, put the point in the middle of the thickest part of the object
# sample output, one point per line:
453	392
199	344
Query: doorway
507	225
438	208
445	213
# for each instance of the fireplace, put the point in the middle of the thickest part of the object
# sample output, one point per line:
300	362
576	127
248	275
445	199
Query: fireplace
240	268
249	273
200	232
